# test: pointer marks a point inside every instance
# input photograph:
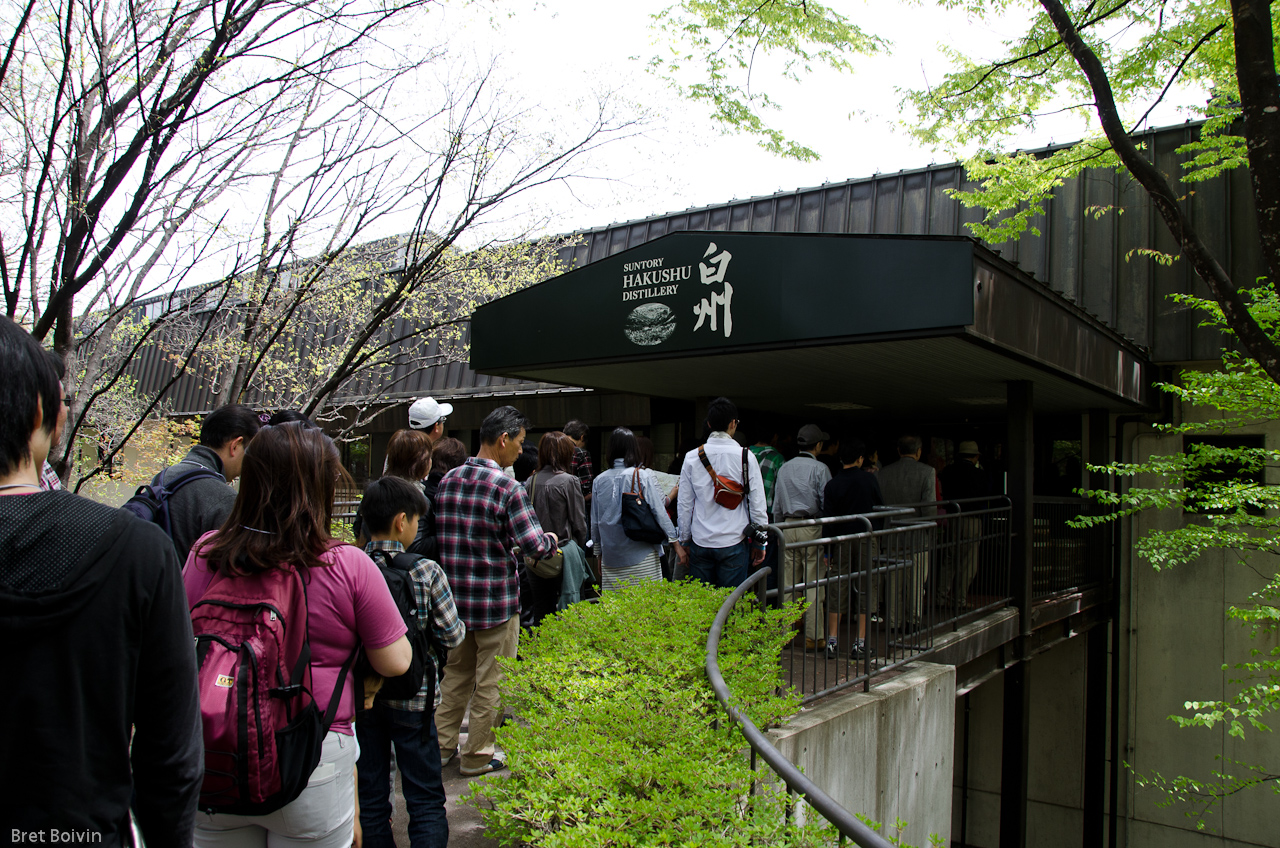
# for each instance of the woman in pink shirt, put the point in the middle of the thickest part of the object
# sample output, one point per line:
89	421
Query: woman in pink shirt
281	520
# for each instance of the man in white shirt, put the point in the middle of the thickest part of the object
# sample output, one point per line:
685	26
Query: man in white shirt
797	494
710	538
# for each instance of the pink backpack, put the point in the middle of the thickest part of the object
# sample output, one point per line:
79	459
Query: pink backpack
263	732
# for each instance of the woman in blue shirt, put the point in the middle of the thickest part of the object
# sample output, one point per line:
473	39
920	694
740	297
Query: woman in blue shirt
624	560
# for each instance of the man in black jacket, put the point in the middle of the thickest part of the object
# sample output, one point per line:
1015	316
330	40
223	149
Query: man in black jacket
102	699
962	480
203	505
854	491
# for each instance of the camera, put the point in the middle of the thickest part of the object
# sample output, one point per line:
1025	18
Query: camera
757	535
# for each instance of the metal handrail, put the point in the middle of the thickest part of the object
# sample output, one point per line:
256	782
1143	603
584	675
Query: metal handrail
844	821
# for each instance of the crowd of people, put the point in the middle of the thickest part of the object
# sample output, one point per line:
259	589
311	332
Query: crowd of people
257	736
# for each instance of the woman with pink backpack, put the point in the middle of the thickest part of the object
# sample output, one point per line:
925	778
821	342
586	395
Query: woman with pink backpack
280	609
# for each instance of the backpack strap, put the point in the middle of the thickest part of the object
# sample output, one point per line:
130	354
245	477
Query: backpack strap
404	561
332	711
201	472
439	654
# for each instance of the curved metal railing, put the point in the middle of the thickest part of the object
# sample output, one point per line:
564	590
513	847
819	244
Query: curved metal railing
843	820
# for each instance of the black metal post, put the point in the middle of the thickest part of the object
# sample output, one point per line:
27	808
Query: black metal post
1013	756
1017	689
1021	493
964	780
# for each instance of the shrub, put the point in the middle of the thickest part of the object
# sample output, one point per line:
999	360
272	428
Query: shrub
619	740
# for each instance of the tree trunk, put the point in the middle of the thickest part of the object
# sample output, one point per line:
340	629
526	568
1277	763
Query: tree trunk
1238	318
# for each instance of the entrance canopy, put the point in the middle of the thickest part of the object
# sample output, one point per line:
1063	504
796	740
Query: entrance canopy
782	322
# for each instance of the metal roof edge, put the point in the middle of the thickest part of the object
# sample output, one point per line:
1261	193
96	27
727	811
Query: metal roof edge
1050	148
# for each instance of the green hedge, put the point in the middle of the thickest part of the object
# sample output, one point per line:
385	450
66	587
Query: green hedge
619	740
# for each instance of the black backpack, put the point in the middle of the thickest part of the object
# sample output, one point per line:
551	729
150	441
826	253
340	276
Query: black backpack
151	502
428	655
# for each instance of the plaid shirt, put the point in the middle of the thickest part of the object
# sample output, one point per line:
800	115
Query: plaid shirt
49	478
481	514
581	468
770	461
430	592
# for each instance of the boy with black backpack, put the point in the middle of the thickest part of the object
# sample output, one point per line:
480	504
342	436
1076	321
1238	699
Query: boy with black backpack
404	712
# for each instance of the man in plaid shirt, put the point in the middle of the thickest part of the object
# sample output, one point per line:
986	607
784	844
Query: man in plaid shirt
581	465
481	517
390	509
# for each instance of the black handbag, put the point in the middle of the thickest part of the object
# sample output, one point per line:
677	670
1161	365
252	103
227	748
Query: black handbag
638	520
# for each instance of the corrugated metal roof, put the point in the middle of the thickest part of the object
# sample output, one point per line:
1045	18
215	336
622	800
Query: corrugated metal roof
1086	259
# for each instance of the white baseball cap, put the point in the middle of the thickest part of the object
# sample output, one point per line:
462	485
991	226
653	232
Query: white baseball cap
425	412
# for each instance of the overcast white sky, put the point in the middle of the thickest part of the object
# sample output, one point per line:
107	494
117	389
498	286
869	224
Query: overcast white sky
557	50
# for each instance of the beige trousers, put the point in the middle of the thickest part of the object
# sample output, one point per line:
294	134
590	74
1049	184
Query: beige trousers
472	675
800	565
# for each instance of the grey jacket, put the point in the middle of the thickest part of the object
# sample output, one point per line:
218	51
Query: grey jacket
201	505
909	481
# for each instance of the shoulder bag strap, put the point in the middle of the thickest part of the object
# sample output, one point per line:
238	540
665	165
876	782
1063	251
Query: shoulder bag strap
706	463
635	483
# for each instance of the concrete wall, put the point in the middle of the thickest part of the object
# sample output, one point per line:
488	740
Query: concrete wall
1055	783
887	753
1177	640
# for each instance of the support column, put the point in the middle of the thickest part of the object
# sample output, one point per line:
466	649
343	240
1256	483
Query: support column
1017	688
1095	737
1021	489
1096	694
1013	756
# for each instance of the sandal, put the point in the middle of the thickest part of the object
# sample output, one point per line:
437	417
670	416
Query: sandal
493	765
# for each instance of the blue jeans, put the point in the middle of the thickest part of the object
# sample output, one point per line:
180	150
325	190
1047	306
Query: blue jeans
724	567
418	756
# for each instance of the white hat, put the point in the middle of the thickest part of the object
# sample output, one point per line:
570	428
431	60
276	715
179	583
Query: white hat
425	412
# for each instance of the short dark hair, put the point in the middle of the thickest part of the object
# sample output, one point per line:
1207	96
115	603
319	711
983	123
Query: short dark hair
30	385
284	416
576	429
409	454
850	450
59	367
765	430
721	412
644	445
387	497
504	420
908	445
447	454
527	462
623	446
229	422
